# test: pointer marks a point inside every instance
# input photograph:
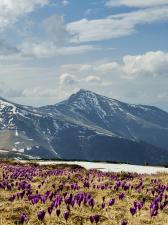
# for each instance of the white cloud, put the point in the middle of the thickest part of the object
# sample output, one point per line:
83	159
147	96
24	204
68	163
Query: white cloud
39	92
93	79
56	29
49	49
54	42
62	39
116	25
67	79
73	50
8	92
106	67
64	85
151	63
52	95
11	10
76	67
136	3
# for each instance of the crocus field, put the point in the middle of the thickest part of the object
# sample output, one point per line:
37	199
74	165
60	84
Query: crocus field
68	194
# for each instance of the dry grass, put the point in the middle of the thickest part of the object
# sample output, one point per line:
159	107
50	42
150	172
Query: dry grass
110	215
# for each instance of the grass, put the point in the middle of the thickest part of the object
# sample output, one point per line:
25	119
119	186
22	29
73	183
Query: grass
101	189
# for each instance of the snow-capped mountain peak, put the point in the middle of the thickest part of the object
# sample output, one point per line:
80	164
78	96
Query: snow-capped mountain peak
85	126
123	119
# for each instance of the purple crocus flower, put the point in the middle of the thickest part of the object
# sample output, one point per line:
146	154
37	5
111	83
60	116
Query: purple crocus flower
133	210
96	218
72	202
163	205
153	213
50	209
12	198
41	215
58	212
91	202
154	206
135	204
111	202
66	215
124	222
140	205
23	218
121	196
103	205
91	219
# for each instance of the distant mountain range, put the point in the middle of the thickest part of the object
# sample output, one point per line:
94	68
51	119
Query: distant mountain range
86	126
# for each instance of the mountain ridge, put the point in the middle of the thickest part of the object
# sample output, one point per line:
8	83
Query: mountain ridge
112	114
85	126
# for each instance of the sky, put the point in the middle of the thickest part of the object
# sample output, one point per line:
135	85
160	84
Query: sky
50	49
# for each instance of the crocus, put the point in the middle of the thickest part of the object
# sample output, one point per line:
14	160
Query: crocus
103	205
41	215
132	210
121	196
91	202
96	218
91	219
66	215
124	222
23	218
111	202
163	205
12	198
50	210
154	213
58	212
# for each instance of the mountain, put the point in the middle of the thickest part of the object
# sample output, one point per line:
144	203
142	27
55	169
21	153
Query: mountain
21	131
133	122
86	126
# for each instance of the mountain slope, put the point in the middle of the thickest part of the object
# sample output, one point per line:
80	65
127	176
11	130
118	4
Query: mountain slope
133	122
87	126
21	130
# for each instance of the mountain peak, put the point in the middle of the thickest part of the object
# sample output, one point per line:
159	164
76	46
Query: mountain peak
83	96
91	94
85	91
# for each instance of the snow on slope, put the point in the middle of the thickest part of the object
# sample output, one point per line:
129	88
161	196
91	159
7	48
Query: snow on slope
109	167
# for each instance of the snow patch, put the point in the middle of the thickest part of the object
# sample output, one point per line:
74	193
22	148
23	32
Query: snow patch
109	167
29	148
16	133
21	150
3	151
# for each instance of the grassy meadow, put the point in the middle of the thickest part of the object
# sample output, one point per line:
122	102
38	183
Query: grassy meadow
66	195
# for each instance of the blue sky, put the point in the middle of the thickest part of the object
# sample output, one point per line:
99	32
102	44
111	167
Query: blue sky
50	49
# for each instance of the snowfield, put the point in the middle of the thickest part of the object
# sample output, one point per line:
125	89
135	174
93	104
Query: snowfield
3	151
109	167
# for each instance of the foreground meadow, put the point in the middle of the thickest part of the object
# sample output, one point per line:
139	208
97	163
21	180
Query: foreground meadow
66	194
